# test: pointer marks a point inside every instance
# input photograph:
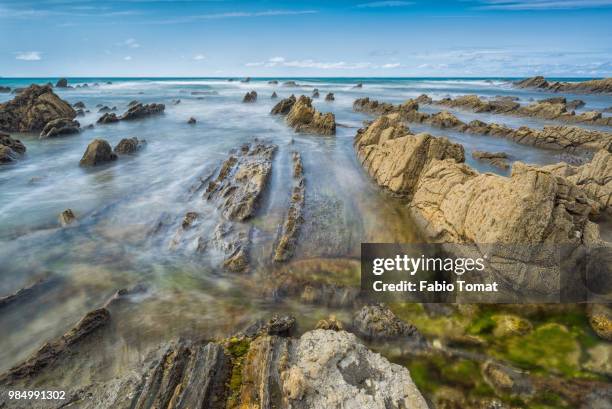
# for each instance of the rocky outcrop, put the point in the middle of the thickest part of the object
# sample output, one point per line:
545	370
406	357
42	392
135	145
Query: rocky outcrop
140	111
60	127
379	323
273	82
600	318
108	118
192	121
5	89
290	84
283	106
32	109
330	97
250	97
587	87
61	83
498	159
286	242
67	217
395	158
359	85
303	117
274	95
129	146
315	93
79	105
98	152
10	148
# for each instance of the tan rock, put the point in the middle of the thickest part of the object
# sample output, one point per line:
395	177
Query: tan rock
304	118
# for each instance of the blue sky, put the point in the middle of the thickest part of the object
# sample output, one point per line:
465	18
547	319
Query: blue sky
305	38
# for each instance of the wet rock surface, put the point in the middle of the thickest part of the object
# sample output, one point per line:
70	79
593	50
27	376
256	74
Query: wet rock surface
108	118
290	228
32	109
303	117
98	152
67	217
330	97
587	87
498	159
250	97
283	106
129	146
60	127
10	148
379	323
140	111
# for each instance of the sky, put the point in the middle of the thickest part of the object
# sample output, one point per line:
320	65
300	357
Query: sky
384	38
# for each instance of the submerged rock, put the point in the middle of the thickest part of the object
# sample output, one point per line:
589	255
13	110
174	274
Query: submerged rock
67	217
108	118
129	146
80	105
14	144
60	127
290	84
315	93
359	85
303	117
140	111
32	109
250	97
98	152
274	95
192	121
499	159
330	97
273	82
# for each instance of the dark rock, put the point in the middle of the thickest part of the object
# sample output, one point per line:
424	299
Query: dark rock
250	97
98	152
67	217
273	82
330	97
132	103
14	144
359	85
204	93
273	96
290	84
105	108
32	109
283	106
108	118
247	79
59	127
17	90
315	93
62	83
189	219
128	146
7	155
575	104
176	101
80	112
278	325
191	121
140	111
378	322
5	89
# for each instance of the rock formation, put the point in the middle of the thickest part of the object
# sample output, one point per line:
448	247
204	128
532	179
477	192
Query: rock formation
32	109
587	87
288	235
315	93
60	127
283	106
61	83
5	89
10	148
98	152
129	146
67	217
250	97
303	117
499	159
379	323
80	105
108	118
330	97
192	121
140	111
274	95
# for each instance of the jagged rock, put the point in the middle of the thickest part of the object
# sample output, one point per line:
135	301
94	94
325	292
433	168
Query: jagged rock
241	181
290	84
108	118
189	219
509	324
80	105
7	155
372	106
274	95
192	121
288	233
506	380
359	85
67	217
283	106
589	87
14	144
52	351
304	118
32	109
423	99
396	158
61	83
250	97
330	323
4	89
80	112
129	146
379	323
315	93
98	152
499	159
330	97
283	325
105	108
140	111
445	119
600	318
132	103
59	127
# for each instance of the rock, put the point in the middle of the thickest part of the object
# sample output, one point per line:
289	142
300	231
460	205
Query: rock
192	121
506	380
176	101
379	323
304	118
80	105
14	144
498	159
32	109
508	325
282	326
315	93
274	95
373	107
444	120
61	83
129	146
247	79
80	112
290	84
273	82
600	318
330	323
140	111
60	127
588	87
5	89
98	152
67	217
575	104
359	85
108	118
189	220
250	97
132	103
283	106
7	155
329	97
105	108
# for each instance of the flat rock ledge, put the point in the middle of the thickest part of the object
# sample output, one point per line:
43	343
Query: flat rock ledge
586	87
134	112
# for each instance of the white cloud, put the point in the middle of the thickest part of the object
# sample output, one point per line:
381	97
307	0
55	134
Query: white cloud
388	3
199	57
28	55
234	14
391	65
130	43
543	4
128	58
323	65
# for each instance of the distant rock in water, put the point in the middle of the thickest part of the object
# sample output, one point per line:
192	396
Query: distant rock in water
274	95
250	97
67	217
5	89
273	82
498	159
128	146
191	121
176	101
315	93
140	111
602	86
330	97
61	83
108	118
247	79
105	108
60	127
359	85
32	109
79	104
98	152
132	103
283	106
290	84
